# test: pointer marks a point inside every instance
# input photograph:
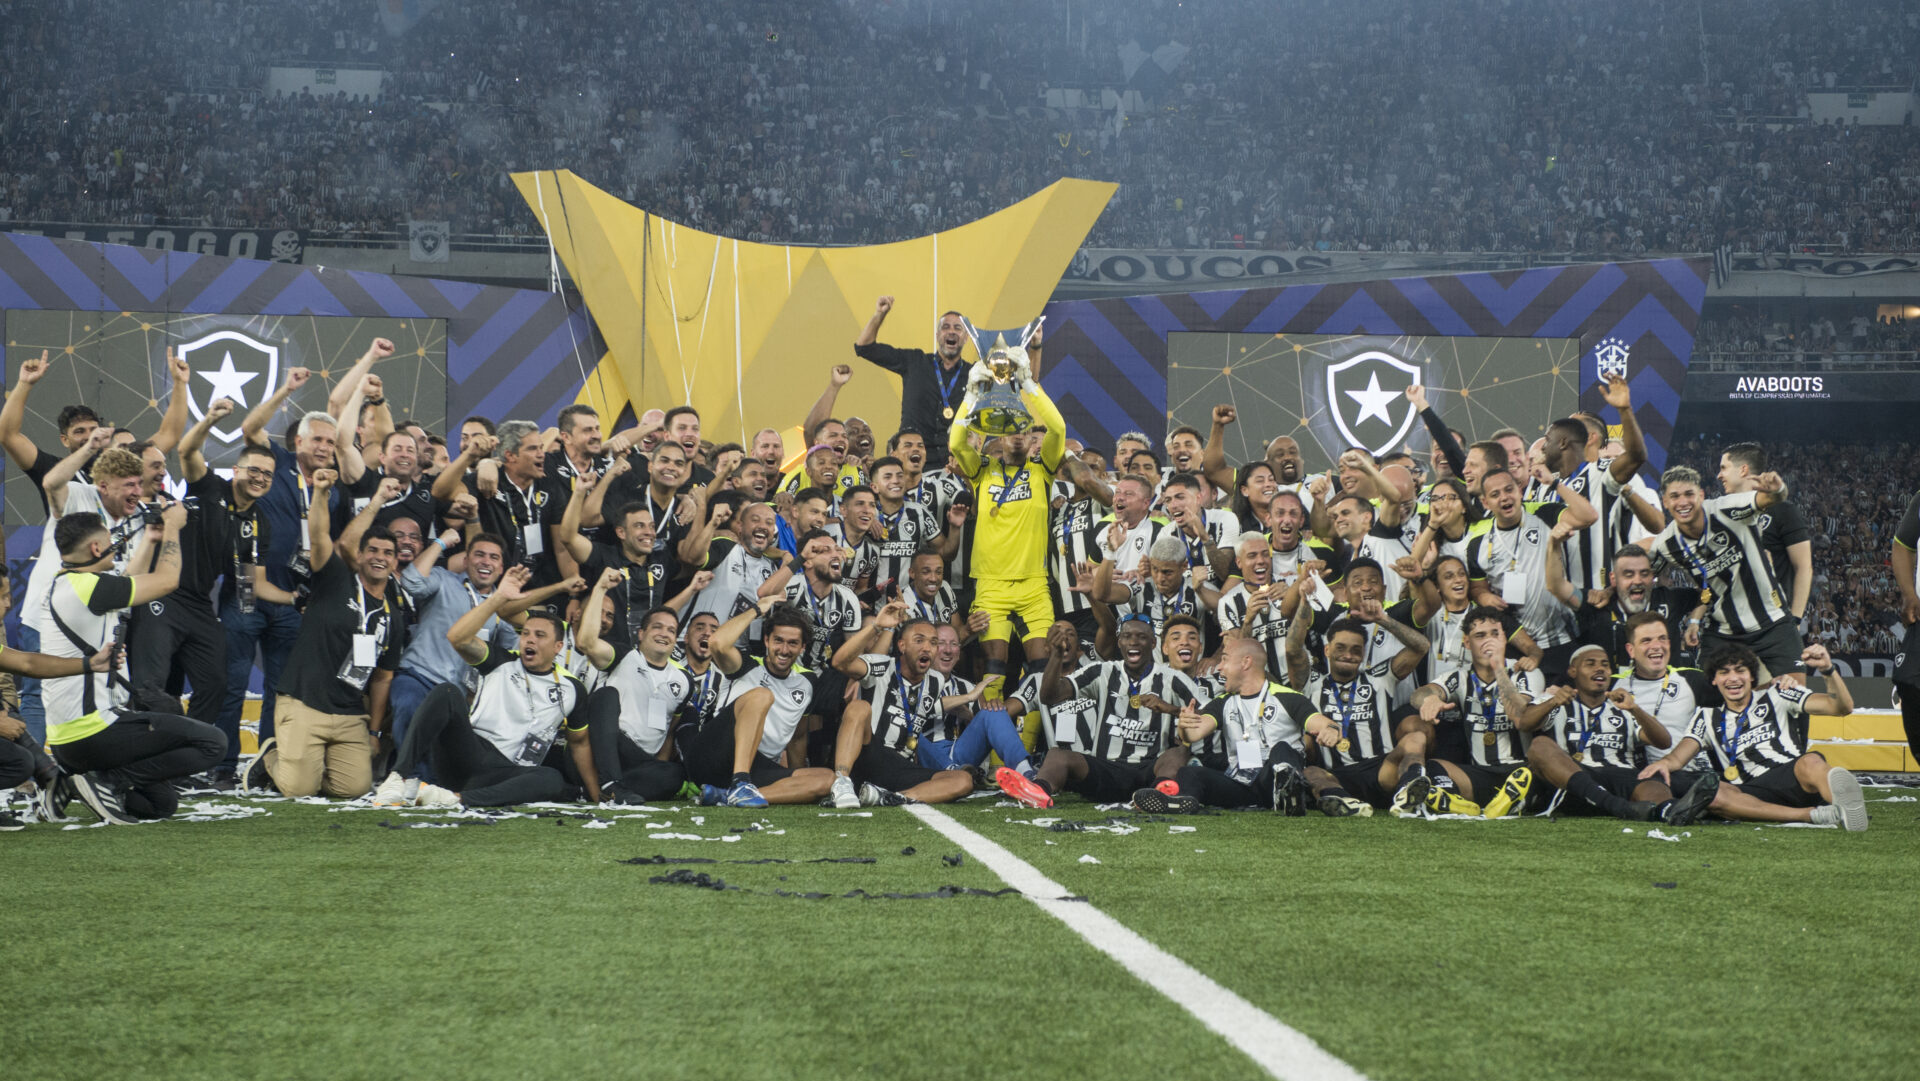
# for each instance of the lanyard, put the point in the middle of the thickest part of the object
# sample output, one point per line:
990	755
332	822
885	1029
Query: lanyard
816	605
908	702
1259	710
1513	555
928	610
1588	721
526	678
949	383
1446	636
1343	704
1201	559
890	524
363	607
1006	487
1068	513
1731	731
1694	559
1488	694
526	500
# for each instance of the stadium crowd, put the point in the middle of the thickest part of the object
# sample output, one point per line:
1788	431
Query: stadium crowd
1751	341
912	609
1554	127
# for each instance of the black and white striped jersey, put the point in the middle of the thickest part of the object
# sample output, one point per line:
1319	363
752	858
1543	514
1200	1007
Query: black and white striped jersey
901	535
650	696
1223	531
1381	648
1728	562
576	662
1122	732
707	691
1602	735
1265	625
1159	607
1073	539
1589	552
1771	732
1492	739
862	558
1384	546
948	726
1363	708
937	491
1513	563
835	615
1286	564
1252	725
936	611
1063	723
903	709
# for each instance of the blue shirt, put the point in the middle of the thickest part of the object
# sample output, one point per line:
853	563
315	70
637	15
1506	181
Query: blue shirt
440	598
284	508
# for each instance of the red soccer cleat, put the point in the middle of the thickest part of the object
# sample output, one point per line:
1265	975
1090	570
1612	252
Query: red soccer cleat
1024	792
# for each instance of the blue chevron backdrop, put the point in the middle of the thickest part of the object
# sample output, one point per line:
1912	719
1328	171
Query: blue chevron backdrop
1106	360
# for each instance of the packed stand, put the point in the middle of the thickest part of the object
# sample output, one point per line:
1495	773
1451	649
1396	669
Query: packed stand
1551	128
919	608
1738	339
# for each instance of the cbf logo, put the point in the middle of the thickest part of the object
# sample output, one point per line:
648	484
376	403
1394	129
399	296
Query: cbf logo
1610	358
1367	395
229	364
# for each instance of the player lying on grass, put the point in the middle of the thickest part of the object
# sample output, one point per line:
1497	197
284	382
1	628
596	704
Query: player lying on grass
1589	741
1758	740
878	737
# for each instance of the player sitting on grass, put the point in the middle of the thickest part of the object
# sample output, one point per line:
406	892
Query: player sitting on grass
1758	740
736	758
878	737
1123	744
633	758
1240	739
1588	746
1476	741
1377	757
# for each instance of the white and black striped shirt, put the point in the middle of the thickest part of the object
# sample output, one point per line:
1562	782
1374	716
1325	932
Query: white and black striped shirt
1120	731
1589	552
1159	607
903	709
1266	625
835	615
1726	561
936	611
862	558
1493	740
1513	563
1603	735
1073	540
1770	733
902	534
1362	708
1061	723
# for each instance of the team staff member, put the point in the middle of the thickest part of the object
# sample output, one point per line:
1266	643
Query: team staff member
1012	493
334	690
119	761
932	385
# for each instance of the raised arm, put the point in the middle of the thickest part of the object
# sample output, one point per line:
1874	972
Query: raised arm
348	456
174	420
1771	490
1557	583
193	464
586	636
847	659
449	484
725	656
871	332
1579	510
349	542
1082	476
567	533
593	512
693	547
1054	684
1437	428
320	519
253	428
1413	644
63	471
464	635
164	576
1837	701
1053	447
1635	455
1213	457
839	377
19	448
1650	517
350	383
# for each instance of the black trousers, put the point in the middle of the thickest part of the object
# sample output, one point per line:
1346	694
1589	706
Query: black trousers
141	752
21	761
442	734
625	769
1778	647
184	636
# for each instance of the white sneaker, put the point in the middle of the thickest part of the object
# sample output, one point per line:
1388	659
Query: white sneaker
392	792
872	795
432	795
843	795
1848	797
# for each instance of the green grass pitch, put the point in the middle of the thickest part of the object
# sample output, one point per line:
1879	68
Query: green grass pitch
320	944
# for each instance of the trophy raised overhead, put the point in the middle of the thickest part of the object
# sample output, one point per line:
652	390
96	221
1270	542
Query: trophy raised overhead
1003	373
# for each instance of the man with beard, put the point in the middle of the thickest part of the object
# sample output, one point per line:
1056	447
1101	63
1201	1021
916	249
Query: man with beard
928	595
1293	551
859	531
1390	629
834	614
642	564
1758	740
1508	564
1588	748
807	510
678	513
747	567
1375	757
878	738
1360	536
399	459
736	758
768	449
1184	454
1127	533
632	742
223	540
1251	605
1206	533
1242	737
1716	544
1129	730
335	688
521	510
1602	614
932	385
904	526
1162	592
1480	744
695	654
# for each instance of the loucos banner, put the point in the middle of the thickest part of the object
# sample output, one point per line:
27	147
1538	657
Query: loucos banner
1801	386
1103	268
275	245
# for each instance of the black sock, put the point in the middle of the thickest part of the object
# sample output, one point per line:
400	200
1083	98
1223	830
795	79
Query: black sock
1660	810
1044	786
1583	785
1336	790
742	778
1411	770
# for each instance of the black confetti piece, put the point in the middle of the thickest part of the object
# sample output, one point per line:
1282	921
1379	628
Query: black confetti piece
1666	885
954	860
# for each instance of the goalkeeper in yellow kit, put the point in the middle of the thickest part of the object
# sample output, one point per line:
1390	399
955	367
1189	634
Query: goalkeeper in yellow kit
1012	496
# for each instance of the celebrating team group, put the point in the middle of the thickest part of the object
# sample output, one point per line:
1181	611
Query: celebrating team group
565	615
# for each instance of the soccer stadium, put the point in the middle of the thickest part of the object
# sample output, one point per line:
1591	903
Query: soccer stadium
894	538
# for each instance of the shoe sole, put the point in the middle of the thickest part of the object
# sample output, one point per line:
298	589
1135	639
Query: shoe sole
1411	800
1150	801
1335	807
1020	790
1687	809
54	802
1514	800
1848	797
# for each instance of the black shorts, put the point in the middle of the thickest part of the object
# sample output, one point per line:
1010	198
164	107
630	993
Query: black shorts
1779	785
1616	780
829	694
1778	647
1113	782
1362	781
889	769
1486	780
709	758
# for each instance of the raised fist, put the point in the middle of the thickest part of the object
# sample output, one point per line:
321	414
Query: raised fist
220	408
297	377
841	375
323	479
883	306
381	349
1223	415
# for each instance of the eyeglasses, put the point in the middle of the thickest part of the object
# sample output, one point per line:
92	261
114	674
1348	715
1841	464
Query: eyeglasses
255	472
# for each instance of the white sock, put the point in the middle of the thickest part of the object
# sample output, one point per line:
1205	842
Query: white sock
411	789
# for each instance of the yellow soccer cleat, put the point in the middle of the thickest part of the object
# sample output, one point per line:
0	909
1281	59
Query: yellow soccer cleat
1445	801
1512	796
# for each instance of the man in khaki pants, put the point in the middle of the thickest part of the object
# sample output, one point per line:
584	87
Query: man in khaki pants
333	691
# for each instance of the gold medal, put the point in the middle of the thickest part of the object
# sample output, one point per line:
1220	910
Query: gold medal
1343	746
1579	756
947	412
1732	773
995	512
1490	739
1137	701
1706	596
